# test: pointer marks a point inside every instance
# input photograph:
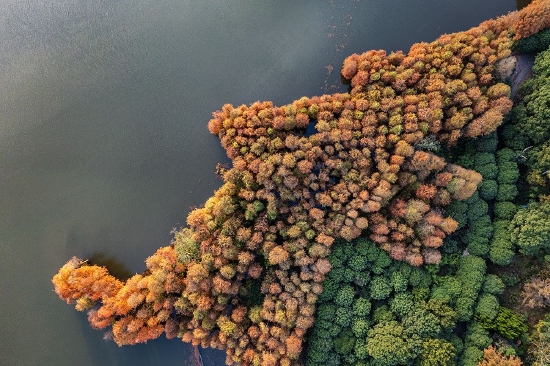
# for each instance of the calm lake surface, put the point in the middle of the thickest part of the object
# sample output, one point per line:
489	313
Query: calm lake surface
103	140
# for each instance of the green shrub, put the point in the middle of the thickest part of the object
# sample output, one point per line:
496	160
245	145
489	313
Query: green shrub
488	171
345	296
382	314
349	359
507	323
382	261
186	248
349	274
360	327
361	307
475	340
441	308
357	263
477	336
513	137
402	304
482	227
361	350
505	154
388	343
487	306
466	160
334	359
541	68
399	281
457	210
343	317
487	143
449	287
476	209
317	350
336	275
488	189
501	251
538	158
422	323
506	192
530	228
505	210
470	273
510	278
326	311
380	287
478	246
479	234
330	288
457	343
508	172
493	285
449	250
344	342
420	278
471	356
535	43
484	158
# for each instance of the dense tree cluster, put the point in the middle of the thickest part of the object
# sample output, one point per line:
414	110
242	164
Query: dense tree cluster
504	321
248	271
534	44
530	126
137	310
529	227
377	311
532	112
540	343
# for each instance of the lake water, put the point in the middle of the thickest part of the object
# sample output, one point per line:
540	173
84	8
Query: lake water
103	140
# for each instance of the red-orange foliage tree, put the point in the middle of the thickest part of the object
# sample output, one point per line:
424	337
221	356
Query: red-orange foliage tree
289	196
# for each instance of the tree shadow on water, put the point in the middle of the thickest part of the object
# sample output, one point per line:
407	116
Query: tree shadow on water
522	3
115	266
81	239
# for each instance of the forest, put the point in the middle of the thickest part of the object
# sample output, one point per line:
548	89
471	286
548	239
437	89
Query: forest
406	222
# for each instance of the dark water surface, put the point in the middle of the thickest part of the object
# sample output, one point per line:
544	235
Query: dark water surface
103	139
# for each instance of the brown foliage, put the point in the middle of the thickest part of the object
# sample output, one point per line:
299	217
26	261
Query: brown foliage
278	255
536	293
491	357
425	192
293	346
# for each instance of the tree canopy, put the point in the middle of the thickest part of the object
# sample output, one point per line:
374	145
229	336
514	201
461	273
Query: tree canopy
367	190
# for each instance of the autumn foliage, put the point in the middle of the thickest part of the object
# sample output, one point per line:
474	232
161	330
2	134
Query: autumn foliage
246	273
536	293
138	310
491	357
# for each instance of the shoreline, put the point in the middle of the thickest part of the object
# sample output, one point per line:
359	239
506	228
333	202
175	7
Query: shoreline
197	356
523	70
